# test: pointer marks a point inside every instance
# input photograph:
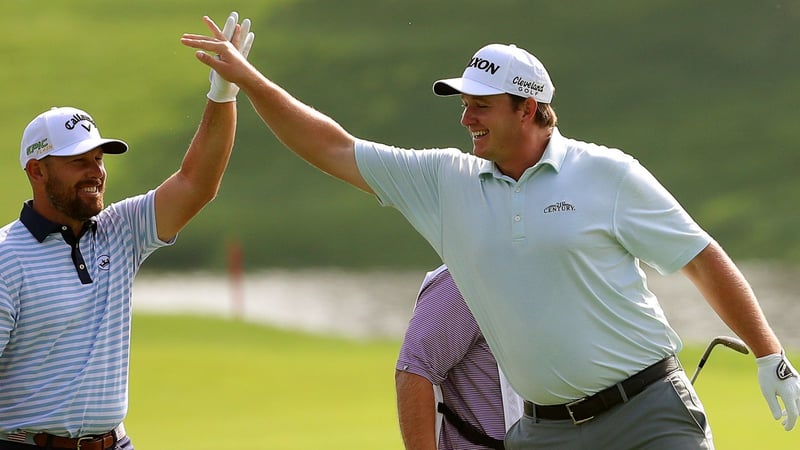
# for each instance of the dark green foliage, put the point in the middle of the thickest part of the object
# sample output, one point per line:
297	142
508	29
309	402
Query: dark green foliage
705	94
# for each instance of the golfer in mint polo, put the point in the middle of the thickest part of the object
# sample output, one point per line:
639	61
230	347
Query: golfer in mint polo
67	267
544	236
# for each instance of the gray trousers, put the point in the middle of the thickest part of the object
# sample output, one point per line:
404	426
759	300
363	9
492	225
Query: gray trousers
667	415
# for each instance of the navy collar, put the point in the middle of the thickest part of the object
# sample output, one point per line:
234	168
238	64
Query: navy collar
40	227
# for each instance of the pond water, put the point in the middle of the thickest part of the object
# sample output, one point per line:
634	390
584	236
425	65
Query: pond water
378	304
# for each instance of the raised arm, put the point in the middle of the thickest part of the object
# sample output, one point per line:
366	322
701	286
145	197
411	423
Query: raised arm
314	136
181	196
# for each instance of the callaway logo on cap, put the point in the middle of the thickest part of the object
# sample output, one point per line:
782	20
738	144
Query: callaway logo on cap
497	69
64	131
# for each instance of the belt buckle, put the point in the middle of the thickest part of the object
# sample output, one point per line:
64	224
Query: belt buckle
82	439
572	415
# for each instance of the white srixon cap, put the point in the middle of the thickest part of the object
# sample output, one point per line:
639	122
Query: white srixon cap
64	131
497	69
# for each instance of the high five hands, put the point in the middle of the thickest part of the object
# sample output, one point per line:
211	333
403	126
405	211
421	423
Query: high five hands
231	45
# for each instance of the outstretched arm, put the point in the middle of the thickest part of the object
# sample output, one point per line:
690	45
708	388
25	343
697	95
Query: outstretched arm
314	136
180	197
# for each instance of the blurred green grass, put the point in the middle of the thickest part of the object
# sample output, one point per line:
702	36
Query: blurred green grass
206	383
202	383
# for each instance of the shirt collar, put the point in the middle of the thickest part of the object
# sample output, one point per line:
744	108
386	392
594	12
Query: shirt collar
555	152
40	227
553	155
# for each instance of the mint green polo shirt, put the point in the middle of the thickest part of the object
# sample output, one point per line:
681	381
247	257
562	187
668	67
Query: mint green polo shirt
549	264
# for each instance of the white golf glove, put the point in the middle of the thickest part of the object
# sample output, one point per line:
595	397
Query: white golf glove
778	378
221	90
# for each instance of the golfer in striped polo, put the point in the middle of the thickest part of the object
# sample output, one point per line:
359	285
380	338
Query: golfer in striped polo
67	267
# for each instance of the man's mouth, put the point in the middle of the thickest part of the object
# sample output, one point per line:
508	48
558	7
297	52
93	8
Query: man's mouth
91	190
478	134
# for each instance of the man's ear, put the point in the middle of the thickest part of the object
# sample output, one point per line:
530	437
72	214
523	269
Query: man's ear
35	170
529	107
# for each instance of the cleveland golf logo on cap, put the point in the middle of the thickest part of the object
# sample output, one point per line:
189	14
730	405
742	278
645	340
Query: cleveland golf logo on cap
526	86
499	68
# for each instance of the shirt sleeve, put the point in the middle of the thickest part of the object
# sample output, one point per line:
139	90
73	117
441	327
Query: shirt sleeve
135	218
440	333
653	226
409	181
8	315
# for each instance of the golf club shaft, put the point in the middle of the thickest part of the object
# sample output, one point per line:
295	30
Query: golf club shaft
727	341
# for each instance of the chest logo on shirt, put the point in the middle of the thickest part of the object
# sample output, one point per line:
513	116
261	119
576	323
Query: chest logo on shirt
103	262
559	207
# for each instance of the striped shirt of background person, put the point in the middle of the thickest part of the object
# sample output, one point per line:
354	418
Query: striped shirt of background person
444	345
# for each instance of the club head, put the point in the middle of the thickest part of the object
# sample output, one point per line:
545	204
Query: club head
732	343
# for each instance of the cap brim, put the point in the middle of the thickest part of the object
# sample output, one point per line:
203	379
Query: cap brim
112	146
456	86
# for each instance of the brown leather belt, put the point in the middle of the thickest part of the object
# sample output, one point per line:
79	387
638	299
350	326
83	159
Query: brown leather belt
585	409
98	442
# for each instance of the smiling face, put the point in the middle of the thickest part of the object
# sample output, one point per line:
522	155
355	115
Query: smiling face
73	187
494	124
504	130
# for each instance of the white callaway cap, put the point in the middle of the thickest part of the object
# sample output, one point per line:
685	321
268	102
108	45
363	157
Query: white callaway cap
64	131
497	69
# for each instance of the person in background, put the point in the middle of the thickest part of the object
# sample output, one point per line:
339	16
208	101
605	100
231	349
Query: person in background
67	267
544	236
450	393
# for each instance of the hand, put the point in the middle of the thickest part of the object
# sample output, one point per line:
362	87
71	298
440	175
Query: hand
778	378
242	39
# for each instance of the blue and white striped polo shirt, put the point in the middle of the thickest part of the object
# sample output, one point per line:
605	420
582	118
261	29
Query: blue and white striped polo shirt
65	329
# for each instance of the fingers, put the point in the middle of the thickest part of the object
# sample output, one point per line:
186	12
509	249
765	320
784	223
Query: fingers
774	406
229	44
248	42
232	31
243	40
241	34
789	422
791	414
245	28
218	42
206	43
206	59
230	25
215	31
197	38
